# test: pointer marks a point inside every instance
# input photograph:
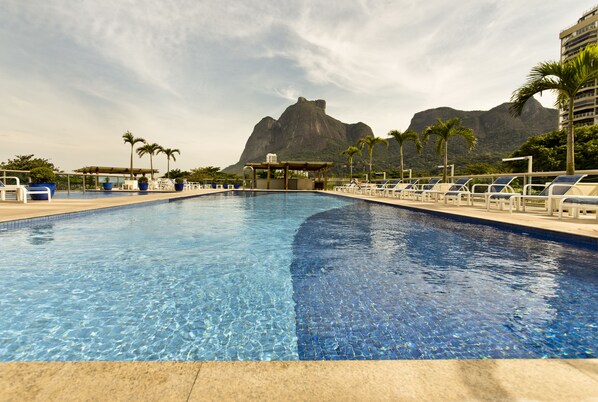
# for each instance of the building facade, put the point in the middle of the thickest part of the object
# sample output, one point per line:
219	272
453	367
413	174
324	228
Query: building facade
573	39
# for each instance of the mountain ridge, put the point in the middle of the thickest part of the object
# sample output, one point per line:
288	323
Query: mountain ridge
305	132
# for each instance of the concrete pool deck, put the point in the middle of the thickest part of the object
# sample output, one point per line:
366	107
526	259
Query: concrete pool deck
446	380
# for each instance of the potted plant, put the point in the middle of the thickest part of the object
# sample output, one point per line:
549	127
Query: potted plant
42	177
107	185
179	184
143	183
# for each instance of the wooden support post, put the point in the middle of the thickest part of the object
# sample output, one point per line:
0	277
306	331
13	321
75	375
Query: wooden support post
268	178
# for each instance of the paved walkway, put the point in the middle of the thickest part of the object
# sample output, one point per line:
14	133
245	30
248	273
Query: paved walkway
429	380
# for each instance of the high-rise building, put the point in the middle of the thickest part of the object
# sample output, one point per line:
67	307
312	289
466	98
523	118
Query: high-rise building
573	39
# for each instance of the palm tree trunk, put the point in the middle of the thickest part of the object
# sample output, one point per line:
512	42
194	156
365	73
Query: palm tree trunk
168	167
351	167
151	167
131	172
445	160
401	161
371	153
570	141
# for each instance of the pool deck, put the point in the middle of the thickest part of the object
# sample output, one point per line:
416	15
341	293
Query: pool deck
398	380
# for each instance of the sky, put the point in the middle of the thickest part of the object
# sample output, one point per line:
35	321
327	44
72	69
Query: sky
197	75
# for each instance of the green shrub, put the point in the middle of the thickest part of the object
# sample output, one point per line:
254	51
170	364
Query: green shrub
42	175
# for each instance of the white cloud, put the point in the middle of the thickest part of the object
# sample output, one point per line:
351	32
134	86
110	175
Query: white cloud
202	73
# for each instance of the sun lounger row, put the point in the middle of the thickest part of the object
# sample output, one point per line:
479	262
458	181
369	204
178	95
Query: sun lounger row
564	193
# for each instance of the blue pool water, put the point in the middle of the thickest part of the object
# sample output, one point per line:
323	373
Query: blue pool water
289	276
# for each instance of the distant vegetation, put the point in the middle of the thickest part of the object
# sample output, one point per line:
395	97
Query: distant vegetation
549	150
27	162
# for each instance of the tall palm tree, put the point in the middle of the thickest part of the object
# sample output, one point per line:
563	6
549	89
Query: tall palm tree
444	131
131	139
169	152
566	79
351	151
370	141
403	137
151	150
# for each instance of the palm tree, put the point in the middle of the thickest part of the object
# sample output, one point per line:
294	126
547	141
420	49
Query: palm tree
130	139
566	79
169	152
403	137
444	131
151	150
350	152
370	141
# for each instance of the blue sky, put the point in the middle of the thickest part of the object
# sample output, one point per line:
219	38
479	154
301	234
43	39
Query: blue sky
198	75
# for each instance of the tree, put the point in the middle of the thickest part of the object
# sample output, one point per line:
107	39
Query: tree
370	141
130	139
27	162
549	150
151	150
566	79
169	152
444	131
350	152
403	137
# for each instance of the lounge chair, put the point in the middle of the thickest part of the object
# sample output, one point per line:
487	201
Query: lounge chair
400	190
574	204
456	190
500	185
555	190
432	185
22	192
386	188
375	187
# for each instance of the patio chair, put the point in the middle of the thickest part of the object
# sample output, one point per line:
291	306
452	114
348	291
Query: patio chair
398	191
22	192
456	190
551	192
432	185
375	187
500	185
575	204
385	188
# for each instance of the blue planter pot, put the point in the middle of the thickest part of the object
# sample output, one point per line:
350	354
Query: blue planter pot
179	186
107	186
236	186
51	186
143	186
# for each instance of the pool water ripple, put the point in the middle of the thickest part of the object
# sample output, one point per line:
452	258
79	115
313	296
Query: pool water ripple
289	276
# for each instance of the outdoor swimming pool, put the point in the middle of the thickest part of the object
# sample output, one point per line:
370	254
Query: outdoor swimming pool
275	276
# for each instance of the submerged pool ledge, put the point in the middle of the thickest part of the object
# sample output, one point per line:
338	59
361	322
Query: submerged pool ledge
579	232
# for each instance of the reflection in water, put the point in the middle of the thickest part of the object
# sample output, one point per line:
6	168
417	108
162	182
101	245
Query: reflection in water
41	234
376	282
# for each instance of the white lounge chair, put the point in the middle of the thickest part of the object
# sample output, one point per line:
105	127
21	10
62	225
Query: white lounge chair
22	192
500	185
552	192
432	185
456	190
397	192
574	204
